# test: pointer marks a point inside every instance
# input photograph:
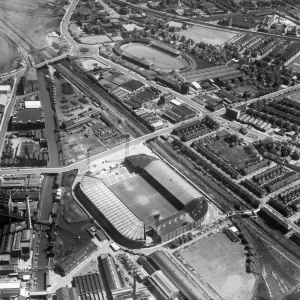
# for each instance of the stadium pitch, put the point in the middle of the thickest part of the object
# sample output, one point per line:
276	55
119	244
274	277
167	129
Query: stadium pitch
142	199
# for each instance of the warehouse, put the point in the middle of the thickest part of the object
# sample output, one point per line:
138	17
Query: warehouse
33	104
5	89
163	262
27	119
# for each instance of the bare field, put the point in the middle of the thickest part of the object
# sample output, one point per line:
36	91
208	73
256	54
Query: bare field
221	263
208	35
33	18
8	53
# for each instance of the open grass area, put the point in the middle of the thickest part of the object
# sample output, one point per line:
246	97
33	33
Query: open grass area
8	53
208	35
235	155
33	18
221	263
72	212
142	199
241	89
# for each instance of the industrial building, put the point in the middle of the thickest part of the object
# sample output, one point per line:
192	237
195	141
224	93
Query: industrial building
113	278
30	81
28	119
164	263
9	288
5	89
65	293
90	286
75	259
164	285
111	272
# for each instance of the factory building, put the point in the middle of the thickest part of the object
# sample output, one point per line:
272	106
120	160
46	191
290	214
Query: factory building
164	263
113	278
90	286
65	293
5	89
166	287
30	81
9	288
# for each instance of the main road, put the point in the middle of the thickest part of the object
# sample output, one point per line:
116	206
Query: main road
7	113
83	163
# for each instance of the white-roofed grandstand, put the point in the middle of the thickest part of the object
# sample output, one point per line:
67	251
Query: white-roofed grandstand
112	208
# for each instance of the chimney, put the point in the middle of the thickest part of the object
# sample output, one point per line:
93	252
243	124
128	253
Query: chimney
28	213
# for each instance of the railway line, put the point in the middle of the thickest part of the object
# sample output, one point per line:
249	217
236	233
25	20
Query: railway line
276	244
93	94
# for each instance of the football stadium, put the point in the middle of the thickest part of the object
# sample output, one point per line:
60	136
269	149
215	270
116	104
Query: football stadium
142	199
150	54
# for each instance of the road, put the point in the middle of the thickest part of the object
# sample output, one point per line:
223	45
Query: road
83	163
7	113
65	21
163	14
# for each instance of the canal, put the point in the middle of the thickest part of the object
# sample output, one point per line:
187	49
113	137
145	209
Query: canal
49	120
45	210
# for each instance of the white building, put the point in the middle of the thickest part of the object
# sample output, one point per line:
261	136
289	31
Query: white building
33	104
5	89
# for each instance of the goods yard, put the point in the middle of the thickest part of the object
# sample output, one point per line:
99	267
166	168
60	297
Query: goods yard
85	127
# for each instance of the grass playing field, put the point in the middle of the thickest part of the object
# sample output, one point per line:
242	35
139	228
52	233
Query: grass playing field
142	199
235	155
208	35
221	263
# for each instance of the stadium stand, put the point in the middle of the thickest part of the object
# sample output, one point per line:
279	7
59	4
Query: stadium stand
164	178
165	48
112	208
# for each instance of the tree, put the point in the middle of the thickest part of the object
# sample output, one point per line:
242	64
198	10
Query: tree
180	240
185	238
295	155
190	236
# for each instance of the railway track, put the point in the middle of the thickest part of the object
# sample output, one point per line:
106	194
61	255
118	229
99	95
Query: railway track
225	206
92	94
279	246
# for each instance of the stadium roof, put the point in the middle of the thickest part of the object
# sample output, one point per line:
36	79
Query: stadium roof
113	209
140	160
166	177
173	273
